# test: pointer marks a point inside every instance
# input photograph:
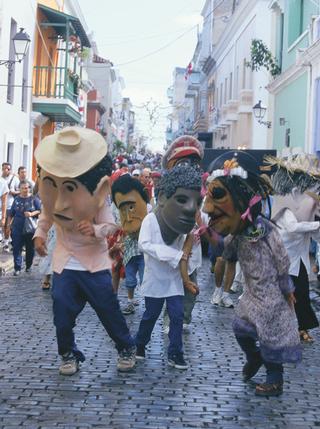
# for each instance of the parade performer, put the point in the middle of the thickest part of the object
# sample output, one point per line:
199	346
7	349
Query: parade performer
296	184
131	199
186	150
74	171
163	241
265	312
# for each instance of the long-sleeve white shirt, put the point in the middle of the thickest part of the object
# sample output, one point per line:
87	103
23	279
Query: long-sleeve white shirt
162	276
296	238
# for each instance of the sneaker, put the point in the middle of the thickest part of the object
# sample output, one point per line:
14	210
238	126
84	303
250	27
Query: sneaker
69	365
141	353
216	297
177	361
6	248
135	302
226	300
17	273
166	330
236	287
126	359
266	389
128	309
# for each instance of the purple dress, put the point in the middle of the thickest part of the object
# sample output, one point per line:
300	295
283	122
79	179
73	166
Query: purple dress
263	312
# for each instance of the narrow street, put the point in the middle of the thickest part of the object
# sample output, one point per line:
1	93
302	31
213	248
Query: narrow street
210	394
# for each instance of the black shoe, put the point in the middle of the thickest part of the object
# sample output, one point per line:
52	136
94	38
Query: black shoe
28	270
250	369
266	389
141	353
177	361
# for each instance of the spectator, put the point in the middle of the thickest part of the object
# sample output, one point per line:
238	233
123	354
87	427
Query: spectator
3	202
24	206
22	176
13	183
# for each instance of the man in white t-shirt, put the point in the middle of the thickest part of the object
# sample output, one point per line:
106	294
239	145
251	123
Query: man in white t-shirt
12	182
163	241
3	202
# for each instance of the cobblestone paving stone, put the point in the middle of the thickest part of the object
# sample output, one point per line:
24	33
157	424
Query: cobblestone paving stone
208	395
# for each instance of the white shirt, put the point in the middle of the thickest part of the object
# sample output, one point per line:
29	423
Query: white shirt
296	238
162	276
3	190
12	182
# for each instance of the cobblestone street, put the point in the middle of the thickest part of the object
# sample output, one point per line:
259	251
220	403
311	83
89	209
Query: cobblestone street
210	394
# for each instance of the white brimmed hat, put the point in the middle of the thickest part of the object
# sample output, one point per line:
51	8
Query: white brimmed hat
71	151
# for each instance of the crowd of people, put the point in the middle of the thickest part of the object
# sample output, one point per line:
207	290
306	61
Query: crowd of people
145	221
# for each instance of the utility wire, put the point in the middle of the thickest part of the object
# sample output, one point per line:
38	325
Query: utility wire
170	43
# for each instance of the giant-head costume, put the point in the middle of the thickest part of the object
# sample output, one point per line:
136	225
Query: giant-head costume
296	184
74	171
179	200
185	150
234	193
131	198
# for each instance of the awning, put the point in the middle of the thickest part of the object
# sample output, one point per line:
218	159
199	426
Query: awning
61	20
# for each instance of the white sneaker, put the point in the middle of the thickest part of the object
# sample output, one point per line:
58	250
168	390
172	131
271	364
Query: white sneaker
69	365
217	295
166	330
236	287
226	300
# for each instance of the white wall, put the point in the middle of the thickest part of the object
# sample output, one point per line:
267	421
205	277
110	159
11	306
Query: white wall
15	124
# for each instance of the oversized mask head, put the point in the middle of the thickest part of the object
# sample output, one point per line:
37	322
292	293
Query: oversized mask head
297	184
131	199
234	191
74	171
179	199
185	150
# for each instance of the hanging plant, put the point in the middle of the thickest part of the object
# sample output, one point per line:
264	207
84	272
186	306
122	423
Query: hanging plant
262	57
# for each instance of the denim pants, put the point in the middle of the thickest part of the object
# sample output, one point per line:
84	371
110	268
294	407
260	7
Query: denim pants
18	240
189	301
151	315
134	266
71	290
252	351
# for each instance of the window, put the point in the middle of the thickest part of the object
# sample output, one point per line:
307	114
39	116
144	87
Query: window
295	20
10	147
230	86
25	152
236	84
225	90
11	70
221	93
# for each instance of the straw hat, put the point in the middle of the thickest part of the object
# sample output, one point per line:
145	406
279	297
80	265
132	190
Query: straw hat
301	163
71	151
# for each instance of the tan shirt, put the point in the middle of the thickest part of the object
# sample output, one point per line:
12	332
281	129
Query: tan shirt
91	252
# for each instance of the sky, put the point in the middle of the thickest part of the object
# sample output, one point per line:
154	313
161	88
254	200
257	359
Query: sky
126	30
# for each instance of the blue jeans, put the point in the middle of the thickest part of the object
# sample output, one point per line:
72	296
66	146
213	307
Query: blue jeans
134	266
71	290
151	315
252	351
18	240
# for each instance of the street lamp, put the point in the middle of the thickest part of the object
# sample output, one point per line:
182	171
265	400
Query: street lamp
20	43
259	111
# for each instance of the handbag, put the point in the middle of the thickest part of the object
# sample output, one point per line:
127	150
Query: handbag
29	226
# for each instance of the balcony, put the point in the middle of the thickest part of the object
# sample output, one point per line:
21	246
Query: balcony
55	93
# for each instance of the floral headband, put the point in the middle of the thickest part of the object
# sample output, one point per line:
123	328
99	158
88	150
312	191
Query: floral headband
230	168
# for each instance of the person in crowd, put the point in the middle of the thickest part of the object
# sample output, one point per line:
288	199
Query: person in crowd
74	173
163	241
12	183
24	211
224	273
296	186
136	173
131	200
145	179
185	150
4	190
23	177
265	323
